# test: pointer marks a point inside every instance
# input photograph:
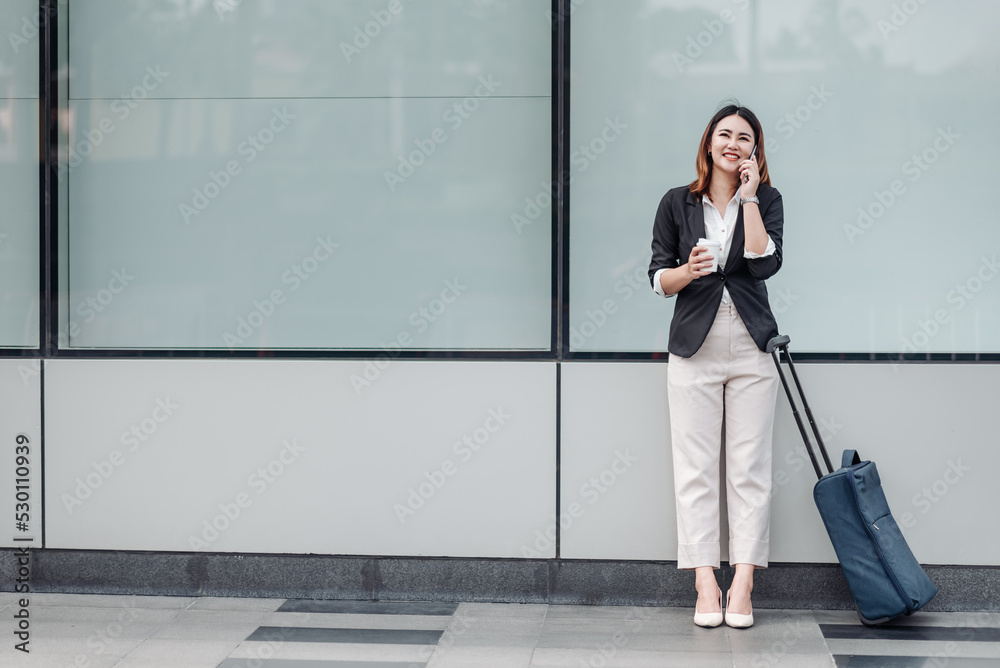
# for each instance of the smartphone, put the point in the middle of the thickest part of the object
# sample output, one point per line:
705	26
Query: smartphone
746	179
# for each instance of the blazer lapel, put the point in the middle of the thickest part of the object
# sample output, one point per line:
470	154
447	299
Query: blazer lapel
695	218
736	246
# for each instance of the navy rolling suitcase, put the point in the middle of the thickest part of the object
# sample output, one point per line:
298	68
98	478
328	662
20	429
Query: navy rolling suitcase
884	576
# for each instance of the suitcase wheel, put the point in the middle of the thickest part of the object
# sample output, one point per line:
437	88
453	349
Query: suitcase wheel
872	622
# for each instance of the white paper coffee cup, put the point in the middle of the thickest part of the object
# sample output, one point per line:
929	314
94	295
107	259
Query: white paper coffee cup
714	249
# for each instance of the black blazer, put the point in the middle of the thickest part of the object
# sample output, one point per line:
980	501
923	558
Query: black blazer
680	222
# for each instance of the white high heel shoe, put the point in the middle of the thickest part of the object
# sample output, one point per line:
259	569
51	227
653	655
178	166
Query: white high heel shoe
708	619
738	621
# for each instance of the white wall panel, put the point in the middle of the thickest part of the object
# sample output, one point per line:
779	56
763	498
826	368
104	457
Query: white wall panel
929	428
20	425
613	414
207	432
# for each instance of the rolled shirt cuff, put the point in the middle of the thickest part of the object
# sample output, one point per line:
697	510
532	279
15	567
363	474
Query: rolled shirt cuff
657	288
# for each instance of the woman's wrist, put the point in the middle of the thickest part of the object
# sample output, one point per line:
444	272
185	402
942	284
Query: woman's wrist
676	279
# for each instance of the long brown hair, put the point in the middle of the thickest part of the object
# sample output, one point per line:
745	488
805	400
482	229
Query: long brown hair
703	163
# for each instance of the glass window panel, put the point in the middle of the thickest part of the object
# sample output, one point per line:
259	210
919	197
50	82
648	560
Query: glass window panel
311	48
856	100
19	179
223	203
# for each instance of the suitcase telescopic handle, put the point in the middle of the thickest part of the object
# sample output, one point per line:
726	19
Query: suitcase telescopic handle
774	346
778	342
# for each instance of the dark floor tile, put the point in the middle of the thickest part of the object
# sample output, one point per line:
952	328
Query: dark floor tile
366	636
844	661
369	607
953	633
311	663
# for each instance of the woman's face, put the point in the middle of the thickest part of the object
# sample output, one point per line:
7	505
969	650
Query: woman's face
731	143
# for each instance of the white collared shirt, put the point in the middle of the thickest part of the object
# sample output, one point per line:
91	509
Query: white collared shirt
720	228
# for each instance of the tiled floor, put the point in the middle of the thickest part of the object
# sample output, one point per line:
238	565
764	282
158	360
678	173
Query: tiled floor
90	631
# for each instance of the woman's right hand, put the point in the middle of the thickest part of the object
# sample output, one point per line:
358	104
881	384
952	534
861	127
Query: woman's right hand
699	262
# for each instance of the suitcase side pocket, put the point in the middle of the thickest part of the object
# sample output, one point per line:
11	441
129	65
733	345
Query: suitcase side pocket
866	488
899	561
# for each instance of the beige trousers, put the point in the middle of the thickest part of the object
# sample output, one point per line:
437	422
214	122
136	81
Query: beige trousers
727	371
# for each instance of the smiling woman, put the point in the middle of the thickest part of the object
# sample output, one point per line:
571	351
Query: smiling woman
722	322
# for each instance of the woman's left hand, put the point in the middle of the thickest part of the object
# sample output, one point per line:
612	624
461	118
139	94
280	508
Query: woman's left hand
749	176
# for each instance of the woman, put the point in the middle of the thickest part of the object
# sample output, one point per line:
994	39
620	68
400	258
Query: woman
721	324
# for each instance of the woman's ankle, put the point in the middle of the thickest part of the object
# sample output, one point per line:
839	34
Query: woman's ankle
743	578
704	577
